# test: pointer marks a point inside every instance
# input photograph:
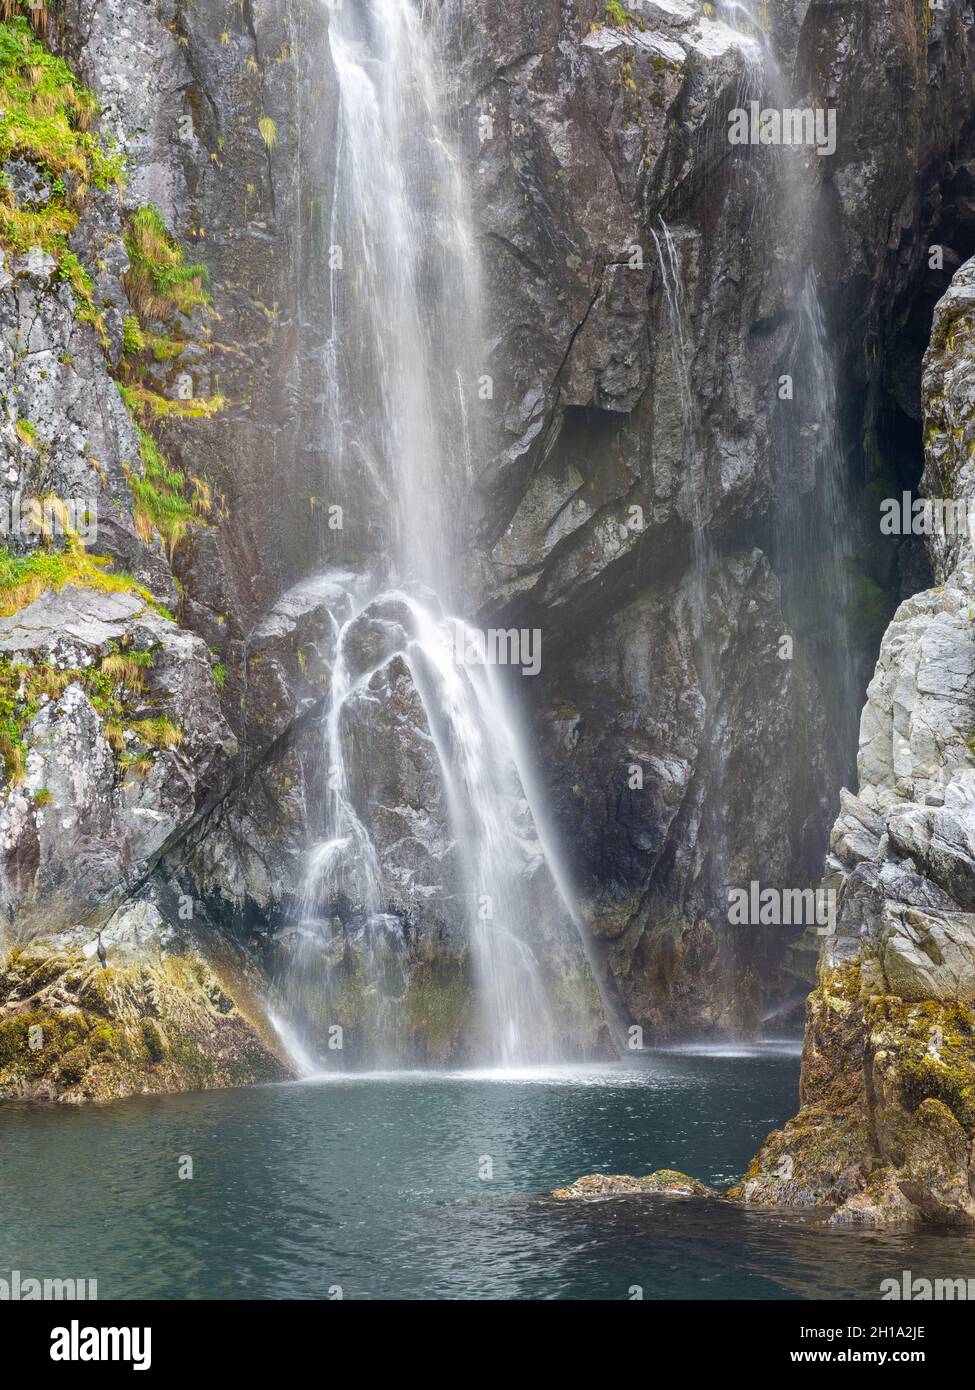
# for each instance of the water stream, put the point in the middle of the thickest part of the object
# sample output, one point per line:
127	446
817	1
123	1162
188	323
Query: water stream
814	536
401	375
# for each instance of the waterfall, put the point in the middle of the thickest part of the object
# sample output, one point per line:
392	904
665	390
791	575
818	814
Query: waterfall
404	286
814	535
811	517
400	377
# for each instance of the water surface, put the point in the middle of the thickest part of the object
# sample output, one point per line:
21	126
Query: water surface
425	1185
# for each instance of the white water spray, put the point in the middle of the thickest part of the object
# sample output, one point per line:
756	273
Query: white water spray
401	371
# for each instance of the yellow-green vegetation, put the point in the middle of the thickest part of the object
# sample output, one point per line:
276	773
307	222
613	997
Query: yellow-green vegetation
666	1182
148	406
114	685
127	666
269	131
45	119
159	282
878	1073
935	1052
163	288
439	1006
157	732
111	684
165	499
133	1027
26	432
23	578
618	17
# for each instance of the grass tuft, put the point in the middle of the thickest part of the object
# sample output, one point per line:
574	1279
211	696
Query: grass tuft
159	281
23	578
45	119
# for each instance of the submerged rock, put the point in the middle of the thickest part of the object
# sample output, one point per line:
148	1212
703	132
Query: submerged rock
667	1182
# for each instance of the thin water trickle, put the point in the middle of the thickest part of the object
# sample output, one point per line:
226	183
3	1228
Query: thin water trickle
813	515
703	555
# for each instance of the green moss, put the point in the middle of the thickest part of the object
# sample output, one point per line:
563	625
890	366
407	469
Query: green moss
165	500
58	1035
163	1026
946	1072
439	1006
617	17
45	115
23	578
153	1041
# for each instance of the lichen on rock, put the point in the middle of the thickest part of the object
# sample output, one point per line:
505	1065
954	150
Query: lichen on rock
666	1182
155	1017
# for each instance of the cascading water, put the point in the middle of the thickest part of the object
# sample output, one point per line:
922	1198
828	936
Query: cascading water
813	514
399	367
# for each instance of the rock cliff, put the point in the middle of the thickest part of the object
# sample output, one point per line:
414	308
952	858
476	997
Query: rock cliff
650	498
886	1126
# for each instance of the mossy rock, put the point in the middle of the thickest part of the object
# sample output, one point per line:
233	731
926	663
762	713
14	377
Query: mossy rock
96	1034
666	1182
440	1007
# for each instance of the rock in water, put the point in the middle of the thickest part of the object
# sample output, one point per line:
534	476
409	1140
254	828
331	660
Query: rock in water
666	1182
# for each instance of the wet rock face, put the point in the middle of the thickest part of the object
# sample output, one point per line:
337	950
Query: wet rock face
886	1127
188	91
583	514
384	952
154	1016
102	789
583	136
79	439
582	519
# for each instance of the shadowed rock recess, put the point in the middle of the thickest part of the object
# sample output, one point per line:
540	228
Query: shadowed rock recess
643	491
